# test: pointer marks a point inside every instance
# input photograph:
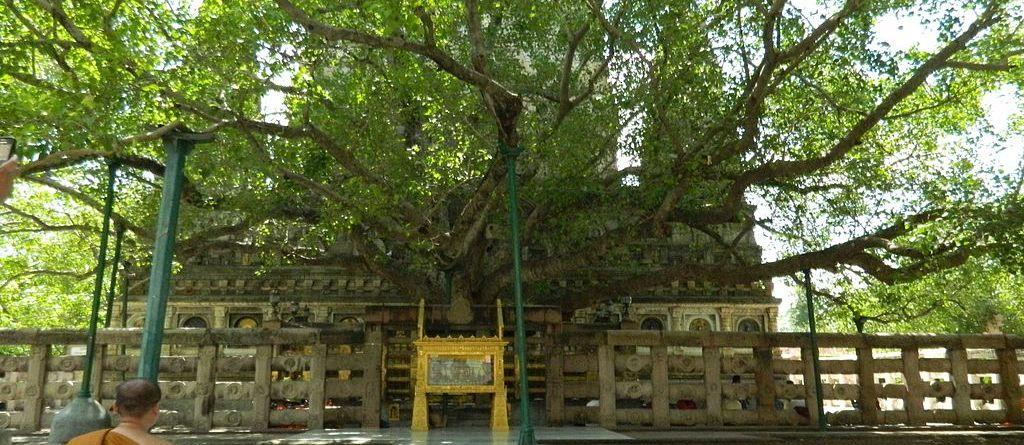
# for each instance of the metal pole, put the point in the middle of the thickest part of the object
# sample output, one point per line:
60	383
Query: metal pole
526	436
113	275
178	146
124	307
84	414
447	332
97	293
822	424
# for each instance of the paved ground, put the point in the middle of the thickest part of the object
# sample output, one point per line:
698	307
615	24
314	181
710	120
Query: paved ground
448	436
837	437
596	436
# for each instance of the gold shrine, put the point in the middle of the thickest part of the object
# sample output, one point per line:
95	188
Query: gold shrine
460	365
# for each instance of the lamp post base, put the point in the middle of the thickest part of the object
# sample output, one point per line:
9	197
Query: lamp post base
81	416
526	436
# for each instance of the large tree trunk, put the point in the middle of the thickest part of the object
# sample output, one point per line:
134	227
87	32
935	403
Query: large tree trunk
461	309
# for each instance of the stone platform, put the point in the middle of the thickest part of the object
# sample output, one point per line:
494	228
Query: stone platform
389	436
597	436
836	436
447	436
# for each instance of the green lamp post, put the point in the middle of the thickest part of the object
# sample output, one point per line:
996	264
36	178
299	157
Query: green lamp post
814	350
118	240
178	144
526	436
85	414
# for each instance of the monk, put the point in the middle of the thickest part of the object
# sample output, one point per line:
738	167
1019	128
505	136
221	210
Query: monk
137	403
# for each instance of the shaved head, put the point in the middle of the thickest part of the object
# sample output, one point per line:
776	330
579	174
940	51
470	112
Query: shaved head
136	397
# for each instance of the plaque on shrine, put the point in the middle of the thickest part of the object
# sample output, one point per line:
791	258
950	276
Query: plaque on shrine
460	370
460	365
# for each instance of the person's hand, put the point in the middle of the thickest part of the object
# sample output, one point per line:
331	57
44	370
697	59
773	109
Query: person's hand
8	171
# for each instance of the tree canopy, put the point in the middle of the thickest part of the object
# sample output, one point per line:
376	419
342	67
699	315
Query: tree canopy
379	122
979	296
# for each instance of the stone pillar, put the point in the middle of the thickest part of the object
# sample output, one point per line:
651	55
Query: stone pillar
764	376
913	403
220	317
170	322
868	396
675	319
771	319
712	357
172	318
261	388
32	415
206	367
96	380
373	349
659	381
606	378
1010	380
554	378
810	388
727	319
321	314
961	388
317	393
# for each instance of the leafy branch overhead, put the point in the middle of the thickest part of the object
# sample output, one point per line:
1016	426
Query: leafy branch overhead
376	123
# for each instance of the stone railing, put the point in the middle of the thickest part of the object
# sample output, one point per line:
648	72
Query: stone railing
311	379
633	378
216	378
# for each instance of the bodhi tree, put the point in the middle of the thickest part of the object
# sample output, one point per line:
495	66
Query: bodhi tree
380	122
979	296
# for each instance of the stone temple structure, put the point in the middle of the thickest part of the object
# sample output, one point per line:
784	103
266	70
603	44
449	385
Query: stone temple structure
227	288
691	306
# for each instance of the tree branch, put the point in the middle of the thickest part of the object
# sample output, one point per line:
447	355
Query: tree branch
61	16
48	272
43	225
413	285
854	136
851	252
89	201
442	59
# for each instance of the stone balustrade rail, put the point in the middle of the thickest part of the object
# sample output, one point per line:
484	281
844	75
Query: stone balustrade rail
662	379
258	379
253	379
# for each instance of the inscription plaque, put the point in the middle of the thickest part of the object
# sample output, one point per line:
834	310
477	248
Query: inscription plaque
460	370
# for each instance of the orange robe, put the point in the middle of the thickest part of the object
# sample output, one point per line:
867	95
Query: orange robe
102	437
